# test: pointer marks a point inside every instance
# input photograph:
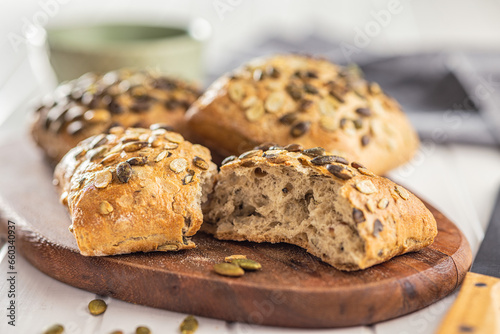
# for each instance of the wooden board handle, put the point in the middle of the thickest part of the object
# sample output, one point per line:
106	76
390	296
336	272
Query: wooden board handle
477	308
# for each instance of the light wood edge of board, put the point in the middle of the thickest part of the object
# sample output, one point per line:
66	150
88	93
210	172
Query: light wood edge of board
477	308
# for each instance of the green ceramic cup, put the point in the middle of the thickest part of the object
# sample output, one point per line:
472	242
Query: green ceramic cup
74	51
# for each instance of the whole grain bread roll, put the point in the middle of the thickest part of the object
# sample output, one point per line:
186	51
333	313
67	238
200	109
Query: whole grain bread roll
135	190
93	103
342	213
310	101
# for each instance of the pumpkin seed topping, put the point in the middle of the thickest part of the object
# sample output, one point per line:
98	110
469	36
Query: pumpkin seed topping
228	269
250	154
289	118
340	171
293	148
365	171
228	159
328	159
365	140
137	161
264	147
365	112
134	146
97	307
174	137
102	178
314	152
178	165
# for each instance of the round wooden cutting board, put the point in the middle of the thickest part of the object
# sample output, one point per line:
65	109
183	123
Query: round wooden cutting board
293	289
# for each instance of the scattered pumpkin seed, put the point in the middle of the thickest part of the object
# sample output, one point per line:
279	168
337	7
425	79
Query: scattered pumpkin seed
340	171
293	148
174	137
383	203
102	178
247	264
289	118
142	330
228	159
370	205
123	172
161	156
200	163
314	152
236	91
54	329
234	257
189	325
137	161
328	159
255	112
328	123
97	307
366	187
178	165
402	192
228	269
134	146
358	216
377	227
300	129
250	154
274	102
105	208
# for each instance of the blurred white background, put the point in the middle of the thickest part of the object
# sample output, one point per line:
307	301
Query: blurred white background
412	26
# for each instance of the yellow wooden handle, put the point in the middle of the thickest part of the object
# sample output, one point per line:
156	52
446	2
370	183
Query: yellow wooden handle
477	308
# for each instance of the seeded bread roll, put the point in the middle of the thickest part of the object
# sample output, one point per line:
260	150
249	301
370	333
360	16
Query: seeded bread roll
92	104
343	214
135	190
292	98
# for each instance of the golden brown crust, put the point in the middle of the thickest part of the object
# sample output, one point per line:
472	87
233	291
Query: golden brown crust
389	219
291	98
93	103
135	190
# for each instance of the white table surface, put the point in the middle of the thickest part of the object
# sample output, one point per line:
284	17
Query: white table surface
461	181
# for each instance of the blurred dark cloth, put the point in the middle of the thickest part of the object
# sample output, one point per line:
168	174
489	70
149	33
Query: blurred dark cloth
449	97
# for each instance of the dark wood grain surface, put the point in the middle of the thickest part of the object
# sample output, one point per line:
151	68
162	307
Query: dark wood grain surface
293	289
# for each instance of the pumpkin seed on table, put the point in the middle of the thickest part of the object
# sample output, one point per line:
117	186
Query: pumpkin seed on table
54	329
97	307
189	325
247	264
142	330
228	269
